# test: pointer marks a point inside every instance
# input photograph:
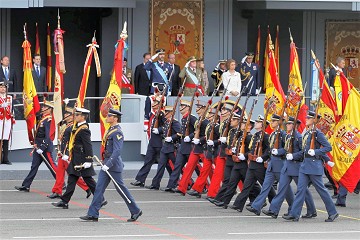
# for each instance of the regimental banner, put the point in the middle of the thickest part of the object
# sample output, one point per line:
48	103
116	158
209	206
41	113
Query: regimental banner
177	27
343	39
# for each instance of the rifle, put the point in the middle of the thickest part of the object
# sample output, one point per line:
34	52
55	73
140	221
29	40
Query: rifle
187	125
278	129
157	114
174	109
3	123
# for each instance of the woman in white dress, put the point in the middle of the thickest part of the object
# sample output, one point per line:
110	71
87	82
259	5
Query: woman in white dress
231	79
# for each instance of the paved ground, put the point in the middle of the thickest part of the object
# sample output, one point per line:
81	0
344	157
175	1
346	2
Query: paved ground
166	215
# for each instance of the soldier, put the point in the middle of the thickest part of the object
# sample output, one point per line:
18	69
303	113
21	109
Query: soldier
168	149
80	155
290	172
216	76
43	147
247	70
63	157
256	169
192	77
149	110
311	170
274	167
6	121
113	165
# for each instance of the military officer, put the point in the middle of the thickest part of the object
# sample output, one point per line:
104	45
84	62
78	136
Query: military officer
192	77
43	147
247	70
80	155
113	165
216	75
311	170
6	115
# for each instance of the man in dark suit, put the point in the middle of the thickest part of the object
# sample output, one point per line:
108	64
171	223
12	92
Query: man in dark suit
8	74
340	65
142	77
39	74
173	73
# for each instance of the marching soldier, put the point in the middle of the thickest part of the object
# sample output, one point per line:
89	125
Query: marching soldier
113	165
192	77
311	170
168	149
247	70
216	76
43	147
80	155
290	172
6	121
63	157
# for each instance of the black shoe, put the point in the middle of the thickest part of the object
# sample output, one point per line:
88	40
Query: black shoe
219	204
253	210
22	188
137	184
332	217
64	187
54	195
176	190
89	218
88	193
61	204
194	193
235	208
264	205
340	204
210	199
7	162
270	213
104	203
225	206
167	189
309	215
134	217
285	214
151	187
248	205
356	191
335	196
329	186
290	218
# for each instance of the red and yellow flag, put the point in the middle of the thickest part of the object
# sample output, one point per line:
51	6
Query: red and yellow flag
273	88
267	78
257	53
37	42
48	60
277	50
83	87
346	141
296	88
342	90
31	101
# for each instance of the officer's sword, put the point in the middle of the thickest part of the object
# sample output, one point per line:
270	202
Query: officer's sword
46	162
111	177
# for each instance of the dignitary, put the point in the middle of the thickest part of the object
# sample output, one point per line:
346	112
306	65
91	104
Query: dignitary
216	75
39	74
231	80
250	71
192	77
9	75
173	75
143	77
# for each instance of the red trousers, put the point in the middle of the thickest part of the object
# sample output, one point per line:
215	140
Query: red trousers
189	170
218	177
60	174
204	174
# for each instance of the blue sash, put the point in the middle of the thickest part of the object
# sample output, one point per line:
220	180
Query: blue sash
192	77
162	74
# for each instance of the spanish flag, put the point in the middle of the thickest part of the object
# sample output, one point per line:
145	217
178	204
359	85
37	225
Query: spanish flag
37	42
267	78
346	141
31	101
83	87
342	91
48	60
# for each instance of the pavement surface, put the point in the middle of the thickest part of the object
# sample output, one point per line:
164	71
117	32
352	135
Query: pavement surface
165	215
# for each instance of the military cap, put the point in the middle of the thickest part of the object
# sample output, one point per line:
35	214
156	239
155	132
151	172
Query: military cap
236	116
82	110
292	119
311	114
160	51
113	112
275	117
168	108
222	61
249	54
69	110
228	106
252	121
200	103
191	59
48	104
261	119
212	111
184	103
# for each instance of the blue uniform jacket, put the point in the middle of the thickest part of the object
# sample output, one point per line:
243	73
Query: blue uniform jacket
246	73
276	162
157	78
113	147
175	129
42	138
291	167
156	139
199	148
185	147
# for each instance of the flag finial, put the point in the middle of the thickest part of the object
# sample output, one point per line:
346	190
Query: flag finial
291	38
94	38
313	54
123	33
25	31
58	17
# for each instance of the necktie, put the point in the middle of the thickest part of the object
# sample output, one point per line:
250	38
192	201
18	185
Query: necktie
37	71
148	73
6	74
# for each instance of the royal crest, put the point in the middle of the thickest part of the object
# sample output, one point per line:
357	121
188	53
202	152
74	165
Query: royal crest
348	139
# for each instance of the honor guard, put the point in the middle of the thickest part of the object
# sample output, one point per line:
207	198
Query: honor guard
192	77
63	156
290	171
216	76
149	110
311	170
112	166
80	156
43	147
171	129
6	121
249	70
275	164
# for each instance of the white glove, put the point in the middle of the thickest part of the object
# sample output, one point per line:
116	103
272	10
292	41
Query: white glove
331	164
223	139
154	56
104	168
274	151
39	151
4	105
146	127
259	160
187	64
187	139
87	164
196	141
210	142
311	152
289	156
233	150
155	130
168	139
65	157
217	66
241	157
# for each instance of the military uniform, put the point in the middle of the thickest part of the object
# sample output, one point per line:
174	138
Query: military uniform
192	78
6	108
247	71
216	76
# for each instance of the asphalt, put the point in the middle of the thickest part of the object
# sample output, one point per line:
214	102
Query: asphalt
165	215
